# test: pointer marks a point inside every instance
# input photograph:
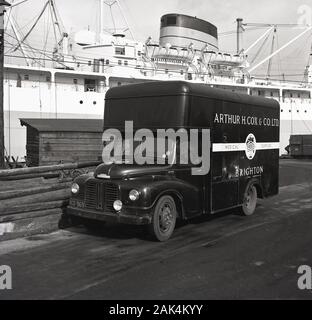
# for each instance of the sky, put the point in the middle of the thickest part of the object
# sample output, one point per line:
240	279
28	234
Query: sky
144	20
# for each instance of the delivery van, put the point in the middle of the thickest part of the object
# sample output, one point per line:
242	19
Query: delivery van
220	151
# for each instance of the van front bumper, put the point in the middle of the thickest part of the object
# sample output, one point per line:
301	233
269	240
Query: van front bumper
120	217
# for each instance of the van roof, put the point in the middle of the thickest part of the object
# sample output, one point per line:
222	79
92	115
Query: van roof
172	88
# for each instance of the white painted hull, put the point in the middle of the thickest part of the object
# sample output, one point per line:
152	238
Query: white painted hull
34	103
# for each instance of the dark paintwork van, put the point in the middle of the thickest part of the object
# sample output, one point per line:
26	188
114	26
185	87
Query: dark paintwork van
244	157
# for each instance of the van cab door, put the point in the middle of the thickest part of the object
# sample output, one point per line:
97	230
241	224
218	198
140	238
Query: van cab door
224	181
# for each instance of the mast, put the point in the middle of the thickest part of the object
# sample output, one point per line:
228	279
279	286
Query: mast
240	30
110	4
101	17
3	4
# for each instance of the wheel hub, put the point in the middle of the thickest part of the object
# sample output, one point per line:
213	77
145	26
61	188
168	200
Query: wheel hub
165	218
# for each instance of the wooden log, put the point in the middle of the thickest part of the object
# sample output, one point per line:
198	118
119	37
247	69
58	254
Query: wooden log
16	184
44	169
31	191
63	194
70	135
30	215
76	149
83	141
48	175
37	181
23	208
13	184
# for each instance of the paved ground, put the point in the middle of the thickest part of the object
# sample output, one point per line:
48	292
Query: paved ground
227	256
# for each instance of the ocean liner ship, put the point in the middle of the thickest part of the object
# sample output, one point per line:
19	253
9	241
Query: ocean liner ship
71	80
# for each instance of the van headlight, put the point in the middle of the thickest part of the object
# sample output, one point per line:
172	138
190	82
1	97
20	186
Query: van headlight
75	188
134	195
117	205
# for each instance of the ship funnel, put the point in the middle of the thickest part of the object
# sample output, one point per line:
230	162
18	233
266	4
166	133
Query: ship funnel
183	31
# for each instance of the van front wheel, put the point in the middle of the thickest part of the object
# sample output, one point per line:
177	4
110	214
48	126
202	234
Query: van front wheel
163	219
250	201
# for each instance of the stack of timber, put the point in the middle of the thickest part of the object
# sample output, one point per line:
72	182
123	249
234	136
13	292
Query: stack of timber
51	141
32	200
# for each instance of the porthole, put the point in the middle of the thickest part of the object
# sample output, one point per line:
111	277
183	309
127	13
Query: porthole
81	102
94	102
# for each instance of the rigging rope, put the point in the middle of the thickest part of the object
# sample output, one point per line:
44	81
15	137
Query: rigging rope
261	48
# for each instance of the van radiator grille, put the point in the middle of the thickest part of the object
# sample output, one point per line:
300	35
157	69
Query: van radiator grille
101	196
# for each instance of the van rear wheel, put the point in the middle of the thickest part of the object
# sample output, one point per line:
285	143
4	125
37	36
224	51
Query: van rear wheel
250	201
163	219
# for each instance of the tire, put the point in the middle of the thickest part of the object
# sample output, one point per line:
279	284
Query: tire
250	200
163	219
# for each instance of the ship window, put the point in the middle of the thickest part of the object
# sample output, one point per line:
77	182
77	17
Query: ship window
259	93
272	95
94	102
89	63
119	84
26	77
282	110
119	62
189	76
48	79
107	61
298	95
126	63
182	72
90	85
120	50
171	21
166	70
81	102
291	95
75	81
